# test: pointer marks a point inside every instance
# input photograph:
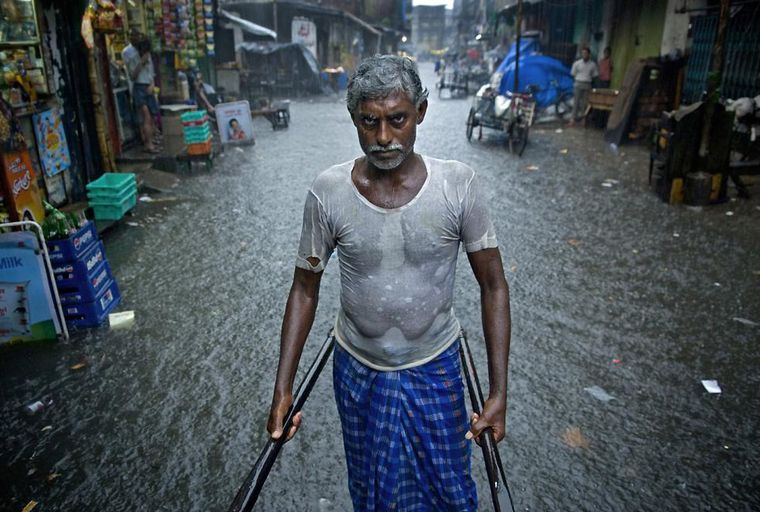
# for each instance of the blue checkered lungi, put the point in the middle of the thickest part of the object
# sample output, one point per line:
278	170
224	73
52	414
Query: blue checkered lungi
403	432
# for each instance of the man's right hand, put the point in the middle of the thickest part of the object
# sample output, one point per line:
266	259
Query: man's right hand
144	58
280	407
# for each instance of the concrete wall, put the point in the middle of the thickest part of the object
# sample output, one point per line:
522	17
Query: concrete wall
674	36
636	34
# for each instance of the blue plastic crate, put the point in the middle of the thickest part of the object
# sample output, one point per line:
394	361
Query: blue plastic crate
72	247
92	314
78	287
83	267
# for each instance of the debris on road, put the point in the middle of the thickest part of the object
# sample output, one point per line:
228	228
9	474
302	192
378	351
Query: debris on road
712	386
558	130
36	406
574	242
79	365
599	393
29	506
531	168
563	151
146	199
574	438
121	319
729	214
745	321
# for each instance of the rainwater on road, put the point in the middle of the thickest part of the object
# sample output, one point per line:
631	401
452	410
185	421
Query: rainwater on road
609	287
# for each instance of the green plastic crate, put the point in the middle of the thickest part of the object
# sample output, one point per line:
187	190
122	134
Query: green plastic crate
114	211
197	134
195	115
111	197
112	187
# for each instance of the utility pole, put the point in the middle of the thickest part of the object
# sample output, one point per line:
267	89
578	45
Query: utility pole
518	26
274	19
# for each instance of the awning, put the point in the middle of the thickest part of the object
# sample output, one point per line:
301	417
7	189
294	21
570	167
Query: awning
248	26
510	9
362	23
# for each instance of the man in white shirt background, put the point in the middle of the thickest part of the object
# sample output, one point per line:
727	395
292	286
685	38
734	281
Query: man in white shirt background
584	71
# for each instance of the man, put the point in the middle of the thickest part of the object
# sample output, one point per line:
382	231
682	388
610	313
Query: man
605	69
397	219
201	95
584	71
139	64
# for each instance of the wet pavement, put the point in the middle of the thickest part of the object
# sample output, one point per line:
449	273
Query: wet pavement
609	286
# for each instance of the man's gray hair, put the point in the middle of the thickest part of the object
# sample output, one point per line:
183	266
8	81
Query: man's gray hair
379	76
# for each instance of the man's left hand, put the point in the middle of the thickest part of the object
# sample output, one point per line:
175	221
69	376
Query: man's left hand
493	417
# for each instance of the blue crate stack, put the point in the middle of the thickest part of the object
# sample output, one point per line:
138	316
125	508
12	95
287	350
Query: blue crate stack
83	277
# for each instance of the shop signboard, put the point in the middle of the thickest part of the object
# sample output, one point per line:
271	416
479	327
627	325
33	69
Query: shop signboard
304	31
234	121
20	182
27	311
51	141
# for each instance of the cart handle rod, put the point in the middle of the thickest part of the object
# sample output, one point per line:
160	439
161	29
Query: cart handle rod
497	480
249	491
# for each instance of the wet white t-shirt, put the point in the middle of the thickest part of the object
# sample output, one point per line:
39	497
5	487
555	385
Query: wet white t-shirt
397	266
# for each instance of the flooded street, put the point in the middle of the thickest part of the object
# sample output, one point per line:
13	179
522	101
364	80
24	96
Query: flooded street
609	287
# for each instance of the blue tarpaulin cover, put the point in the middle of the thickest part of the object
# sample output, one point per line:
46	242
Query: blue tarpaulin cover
549	75
528	46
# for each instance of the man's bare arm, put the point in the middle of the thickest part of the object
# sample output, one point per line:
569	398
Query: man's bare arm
299	317
494	300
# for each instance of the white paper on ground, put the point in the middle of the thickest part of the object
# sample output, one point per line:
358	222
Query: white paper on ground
711	386
599	393
745	321
121	320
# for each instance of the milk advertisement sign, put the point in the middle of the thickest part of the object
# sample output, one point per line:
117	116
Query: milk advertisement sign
26	305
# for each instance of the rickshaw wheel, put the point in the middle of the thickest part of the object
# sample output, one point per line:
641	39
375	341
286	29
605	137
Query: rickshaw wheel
563	106
522	138
470	123
509	131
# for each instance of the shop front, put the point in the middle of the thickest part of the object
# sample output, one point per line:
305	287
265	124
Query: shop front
45	124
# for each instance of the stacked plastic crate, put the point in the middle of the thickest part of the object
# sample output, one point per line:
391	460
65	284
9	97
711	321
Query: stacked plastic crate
112	195
197	132
85	283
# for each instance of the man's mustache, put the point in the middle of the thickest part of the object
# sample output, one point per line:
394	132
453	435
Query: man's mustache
374	148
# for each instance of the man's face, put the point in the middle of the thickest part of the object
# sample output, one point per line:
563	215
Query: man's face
585	54
387	129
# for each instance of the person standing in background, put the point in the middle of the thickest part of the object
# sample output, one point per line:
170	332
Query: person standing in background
139	63
584	71
605	69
